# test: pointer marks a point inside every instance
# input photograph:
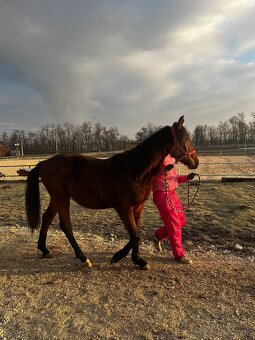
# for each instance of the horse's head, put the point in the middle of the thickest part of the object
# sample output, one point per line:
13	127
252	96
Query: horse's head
182	149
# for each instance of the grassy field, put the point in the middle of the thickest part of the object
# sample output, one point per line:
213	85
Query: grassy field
222	215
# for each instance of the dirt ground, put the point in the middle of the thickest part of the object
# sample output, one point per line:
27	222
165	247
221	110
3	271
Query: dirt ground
57	299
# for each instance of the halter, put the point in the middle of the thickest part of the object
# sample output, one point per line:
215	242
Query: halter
178	146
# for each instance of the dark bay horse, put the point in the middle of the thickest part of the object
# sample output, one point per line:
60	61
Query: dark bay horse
122	182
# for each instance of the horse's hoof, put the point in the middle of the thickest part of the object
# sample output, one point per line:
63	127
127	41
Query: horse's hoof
83	265
146	267
87	264
47	255
113	260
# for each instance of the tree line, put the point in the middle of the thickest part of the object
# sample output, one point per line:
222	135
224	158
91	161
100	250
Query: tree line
52	138
92	136
234	131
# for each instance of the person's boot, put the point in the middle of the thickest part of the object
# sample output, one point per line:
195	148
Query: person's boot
184	260
156	243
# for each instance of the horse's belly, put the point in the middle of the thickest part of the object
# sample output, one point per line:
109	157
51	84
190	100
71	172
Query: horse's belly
93	204
94	199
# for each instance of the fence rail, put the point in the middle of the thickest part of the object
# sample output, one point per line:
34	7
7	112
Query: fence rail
207	170
218	170
223	152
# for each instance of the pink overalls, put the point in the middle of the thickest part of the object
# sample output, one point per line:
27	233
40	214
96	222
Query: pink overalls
173	220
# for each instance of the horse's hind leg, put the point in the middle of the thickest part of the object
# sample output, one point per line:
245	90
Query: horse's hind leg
136	248
47	219
66	227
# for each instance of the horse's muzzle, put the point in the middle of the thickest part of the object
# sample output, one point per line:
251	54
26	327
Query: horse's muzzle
192	162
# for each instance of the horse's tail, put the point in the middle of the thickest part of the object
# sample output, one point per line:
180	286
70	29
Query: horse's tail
33	198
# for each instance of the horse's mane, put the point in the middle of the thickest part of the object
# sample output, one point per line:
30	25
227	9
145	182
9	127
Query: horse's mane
145	157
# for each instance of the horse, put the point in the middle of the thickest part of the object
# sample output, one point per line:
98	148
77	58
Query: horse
122	182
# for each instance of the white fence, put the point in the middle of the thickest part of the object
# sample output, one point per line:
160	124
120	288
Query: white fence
223	169
227	152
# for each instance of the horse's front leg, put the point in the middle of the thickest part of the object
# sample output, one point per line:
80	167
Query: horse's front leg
129	220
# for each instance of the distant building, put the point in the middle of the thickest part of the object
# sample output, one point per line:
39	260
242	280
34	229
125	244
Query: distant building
4	150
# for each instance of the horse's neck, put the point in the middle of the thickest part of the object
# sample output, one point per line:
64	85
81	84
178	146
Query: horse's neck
154	158
142	162
151	171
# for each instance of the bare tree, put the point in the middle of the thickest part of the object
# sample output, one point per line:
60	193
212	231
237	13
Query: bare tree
200	135
145	132
233	129
98	129
223	132
251	129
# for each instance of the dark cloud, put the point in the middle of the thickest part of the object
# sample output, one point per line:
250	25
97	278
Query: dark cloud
124	63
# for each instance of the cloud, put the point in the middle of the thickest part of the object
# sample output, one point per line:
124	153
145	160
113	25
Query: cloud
125	63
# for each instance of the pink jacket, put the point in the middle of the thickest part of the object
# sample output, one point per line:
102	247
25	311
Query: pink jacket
173	179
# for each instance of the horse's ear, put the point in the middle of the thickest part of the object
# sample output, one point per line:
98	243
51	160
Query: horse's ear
180	122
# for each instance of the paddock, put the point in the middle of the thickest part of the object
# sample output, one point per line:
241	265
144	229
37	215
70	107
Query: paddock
53	298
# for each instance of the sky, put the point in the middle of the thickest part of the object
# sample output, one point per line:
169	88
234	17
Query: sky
125	63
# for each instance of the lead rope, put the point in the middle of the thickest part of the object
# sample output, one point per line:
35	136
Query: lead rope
190	201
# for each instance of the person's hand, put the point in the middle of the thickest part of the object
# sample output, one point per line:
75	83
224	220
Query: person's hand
168	167
191	176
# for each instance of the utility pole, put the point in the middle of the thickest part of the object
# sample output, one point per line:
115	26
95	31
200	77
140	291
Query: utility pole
21	148
17	149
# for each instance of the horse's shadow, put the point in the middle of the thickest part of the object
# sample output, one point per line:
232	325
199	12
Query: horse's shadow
19	257
23	263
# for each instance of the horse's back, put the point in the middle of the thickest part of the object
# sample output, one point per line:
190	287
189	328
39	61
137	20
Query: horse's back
69	167
85	179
